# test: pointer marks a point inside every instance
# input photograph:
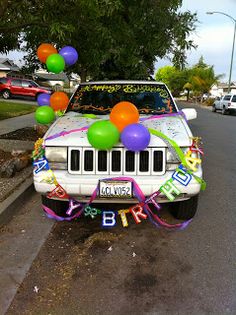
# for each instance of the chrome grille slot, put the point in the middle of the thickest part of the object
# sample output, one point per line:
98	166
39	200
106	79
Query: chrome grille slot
116	161
157	161
144	161
102	161
88	160
129	161
75	160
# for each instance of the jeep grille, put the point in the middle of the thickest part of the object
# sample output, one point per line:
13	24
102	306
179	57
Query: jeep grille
118	161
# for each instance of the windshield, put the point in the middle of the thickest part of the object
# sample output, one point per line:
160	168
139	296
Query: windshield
100	99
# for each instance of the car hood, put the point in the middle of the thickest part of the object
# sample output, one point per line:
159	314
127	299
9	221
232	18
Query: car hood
70	130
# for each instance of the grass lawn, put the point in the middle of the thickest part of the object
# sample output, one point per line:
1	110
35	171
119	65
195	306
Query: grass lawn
9	110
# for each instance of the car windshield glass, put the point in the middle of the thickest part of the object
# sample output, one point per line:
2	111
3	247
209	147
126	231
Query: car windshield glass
34	84
100	99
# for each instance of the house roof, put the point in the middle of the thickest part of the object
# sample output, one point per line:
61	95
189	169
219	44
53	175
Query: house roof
8	65
225	85
51	77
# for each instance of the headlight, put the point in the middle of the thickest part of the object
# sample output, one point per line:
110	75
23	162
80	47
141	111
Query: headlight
171	158
56	154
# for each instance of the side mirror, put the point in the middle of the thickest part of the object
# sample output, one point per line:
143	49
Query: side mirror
190	113
30	86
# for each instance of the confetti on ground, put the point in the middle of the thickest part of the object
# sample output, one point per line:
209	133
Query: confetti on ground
36	289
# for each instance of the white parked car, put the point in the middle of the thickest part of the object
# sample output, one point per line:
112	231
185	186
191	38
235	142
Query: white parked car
227	104
78	167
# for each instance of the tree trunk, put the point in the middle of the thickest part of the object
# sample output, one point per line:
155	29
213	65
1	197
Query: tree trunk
188	92
83	75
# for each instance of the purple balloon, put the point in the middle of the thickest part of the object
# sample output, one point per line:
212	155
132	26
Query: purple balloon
70	55
43	99
135	137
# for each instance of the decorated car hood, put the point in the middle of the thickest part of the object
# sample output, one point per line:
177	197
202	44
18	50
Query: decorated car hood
71	130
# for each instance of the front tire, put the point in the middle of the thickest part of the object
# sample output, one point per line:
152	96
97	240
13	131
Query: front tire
58	206
185	210
224	111
213	108
6	94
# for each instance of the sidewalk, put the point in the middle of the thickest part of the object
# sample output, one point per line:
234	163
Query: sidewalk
12	124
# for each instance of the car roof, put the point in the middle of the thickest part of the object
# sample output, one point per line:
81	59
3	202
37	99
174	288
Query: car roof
122	82
12	78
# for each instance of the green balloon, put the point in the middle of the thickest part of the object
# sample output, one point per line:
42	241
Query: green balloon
55	63
44	115
103	135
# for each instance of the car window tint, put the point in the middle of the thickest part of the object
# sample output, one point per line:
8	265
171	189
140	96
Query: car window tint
233	99
16	82
26	83
34	84
227	97
3	81
101	98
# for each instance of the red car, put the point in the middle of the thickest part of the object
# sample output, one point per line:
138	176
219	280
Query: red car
21	87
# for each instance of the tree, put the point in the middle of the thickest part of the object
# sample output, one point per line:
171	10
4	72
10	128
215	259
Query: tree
198	79
116	39
174	78
202	77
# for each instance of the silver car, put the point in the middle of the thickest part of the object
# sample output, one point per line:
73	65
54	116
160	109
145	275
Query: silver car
227	104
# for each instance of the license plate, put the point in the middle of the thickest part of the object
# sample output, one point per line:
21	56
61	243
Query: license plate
115	189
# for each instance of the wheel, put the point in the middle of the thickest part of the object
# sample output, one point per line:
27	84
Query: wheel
185	210
58	206
224	111
36	96
214	108
6	94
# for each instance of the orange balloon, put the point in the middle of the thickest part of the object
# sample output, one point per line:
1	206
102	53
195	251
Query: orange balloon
59	101
45	50
124	114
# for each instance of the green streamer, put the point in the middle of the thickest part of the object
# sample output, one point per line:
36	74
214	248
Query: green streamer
180	154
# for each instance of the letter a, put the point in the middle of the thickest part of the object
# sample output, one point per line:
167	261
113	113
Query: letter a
192	162
40	164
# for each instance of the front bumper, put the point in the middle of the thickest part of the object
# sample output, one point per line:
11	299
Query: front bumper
81	187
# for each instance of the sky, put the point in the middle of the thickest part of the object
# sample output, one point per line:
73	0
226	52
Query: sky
213	35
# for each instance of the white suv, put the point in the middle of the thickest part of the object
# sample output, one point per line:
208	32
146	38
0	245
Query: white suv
79	168
227	104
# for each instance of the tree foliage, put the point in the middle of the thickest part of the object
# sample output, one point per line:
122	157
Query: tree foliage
198	79
116	39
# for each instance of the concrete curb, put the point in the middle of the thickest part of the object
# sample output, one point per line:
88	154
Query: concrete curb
10	206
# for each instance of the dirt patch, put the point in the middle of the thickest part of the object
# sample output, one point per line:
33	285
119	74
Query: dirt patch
105	272
25	134
4	156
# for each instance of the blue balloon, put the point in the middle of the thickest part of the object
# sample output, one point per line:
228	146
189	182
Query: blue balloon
135	137
69	54
43	99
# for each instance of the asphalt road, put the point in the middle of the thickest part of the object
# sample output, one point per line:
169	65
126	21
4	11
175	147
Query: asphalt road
86	270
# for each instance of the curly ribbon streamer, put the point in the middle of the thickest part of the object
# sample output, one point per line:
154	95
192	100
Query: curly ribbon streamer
65	133
52	215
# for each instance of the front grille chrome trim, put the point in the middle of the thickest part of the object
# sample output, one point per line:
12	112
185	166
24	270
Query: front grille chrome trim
122	172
